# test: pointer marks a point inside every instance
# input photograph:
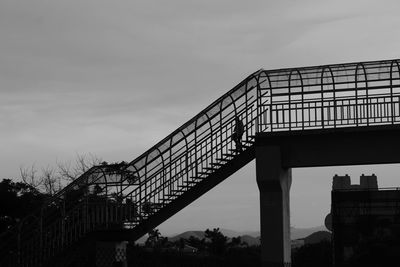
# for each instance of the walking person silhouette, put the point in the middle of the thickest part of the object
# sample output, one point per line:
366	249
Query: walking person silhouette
238	133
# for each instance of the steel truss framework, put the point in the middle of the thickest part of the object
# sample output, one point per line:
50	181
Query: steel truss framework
127	195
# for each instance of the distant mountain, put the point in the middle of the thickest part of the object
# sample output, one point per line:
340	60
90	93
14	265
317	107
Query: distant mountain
200	234
230	233
251	237
297	233
187	235
250	240
251	233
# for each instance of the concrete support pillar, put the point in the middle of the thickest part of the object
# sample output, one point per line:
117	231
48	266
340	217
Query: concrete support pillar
274	185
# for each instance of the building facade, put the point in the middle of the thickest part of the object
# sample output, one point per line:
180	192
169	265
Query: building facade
365	222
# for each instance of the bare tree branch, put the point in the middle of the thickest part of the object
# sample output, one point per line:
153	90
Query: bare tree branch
51	180
83	163
29	177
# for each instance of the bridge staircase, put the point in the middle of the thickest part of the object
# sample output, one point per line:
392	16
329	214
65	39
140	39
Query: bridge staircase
124	201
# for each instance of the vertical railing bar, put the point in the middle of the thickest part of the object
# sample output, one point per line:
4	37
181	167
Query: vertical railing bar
356	93
302	104
391	89
366	89
259	125
290	99
322	99
271	105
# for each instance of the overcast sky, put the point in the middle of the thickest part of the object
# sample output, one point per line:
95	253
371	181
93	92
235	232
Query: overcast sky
114	77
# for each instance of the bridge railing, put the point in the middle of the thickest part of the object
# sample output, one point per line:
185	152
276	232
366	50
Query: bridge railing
195	150
345	95
40	240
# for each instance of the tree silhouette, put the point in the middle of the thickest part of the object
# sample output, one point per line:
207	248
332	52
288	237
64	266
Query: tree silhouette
52	179
17	200
153	238
218	242
196	242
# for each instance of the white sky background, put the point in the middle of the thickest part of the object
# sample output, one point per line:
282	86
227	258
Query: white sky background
114	77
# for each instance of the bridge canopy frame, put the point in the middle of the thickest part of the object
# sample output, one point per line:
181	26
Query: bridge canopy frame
331	96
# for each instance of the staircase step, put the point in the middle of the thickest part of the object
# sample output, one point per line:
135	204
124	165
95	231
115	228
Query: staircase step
217	164
228	155
209	168
196	178
184	186
222	159
166	199
171	195
176	191
191	182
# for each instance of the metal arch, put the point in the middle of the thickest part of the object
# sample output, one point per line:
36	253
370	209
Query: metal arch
221	109
247	90
145	175
163	166
366	90
259	104
147	163
263	72
106	181
302	96
162	158
140	191
142	179
135	171
195	147
246	103
258	94
195	138
211	131
391	86
186	154
170	153
221	127
94	170
333	90
234	104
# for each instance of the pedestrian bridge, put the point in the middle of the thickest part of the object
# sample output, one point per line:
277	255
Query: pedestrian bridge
115	202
